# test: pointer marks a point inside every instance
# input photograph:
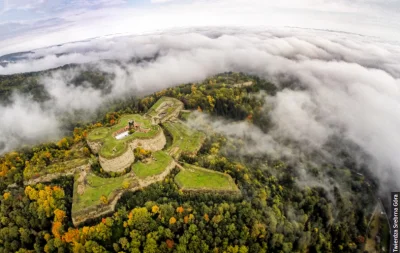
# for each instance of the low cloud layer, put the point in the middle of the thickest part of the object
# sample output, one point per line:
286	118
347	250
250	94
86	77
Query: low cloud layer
343	85
30	24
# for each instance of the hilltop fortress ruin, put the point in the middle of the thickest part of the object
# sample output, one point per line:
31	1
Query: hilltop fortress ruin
115	145
96	195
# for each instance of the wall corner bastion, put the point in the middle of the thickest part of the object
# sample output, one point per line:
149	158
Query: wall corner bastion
120	163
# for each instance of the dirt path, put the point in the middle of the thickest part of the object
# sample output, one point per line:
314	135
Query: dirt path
81	180
179	166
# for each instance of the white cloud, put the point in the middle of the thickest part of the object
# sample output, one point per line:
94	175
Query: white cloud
372	18
346	85
161	1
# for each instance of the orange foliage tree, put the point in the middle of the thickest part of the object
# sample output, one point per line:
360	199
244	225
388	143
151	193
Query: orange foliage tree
172	220
170	243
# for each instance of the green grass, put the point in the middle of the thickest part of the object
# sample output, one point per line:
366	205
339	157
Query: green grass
153	110
153	168
184	139
95	188
54	168
162	100
104	135
196	178
98	134
185	115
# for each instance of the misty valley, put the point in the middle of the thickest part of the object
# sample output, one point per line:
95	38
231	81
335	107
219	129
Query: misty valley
220	175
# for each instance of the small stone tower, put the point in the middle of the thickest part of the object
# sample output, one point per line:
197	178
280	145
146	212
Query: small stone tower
131	124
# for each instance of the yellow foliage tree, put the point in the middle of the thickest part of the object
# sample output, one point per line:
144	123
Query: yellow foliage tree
47	236
172	220
211	101
59	215
6	195
67	154
46	248
85	230
193	89
217	218
86	151
104	200
31	193
214	150
180	210
155	209
63	143
126	184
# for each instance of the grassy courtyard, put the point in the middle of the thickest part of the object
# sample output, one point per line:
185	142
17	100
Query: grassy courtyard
184	139
154	167
98	134
111	146
197	178
155	110
96	187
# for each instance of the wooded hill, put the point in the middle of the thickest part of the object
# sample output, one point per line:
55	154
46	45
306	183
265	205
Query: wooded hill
273	213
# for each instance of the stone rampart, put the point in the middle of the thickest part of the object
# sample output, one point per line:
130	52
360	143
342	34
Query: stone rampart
153	144
173	114
51	177
94	146
118	164
150	180
102	210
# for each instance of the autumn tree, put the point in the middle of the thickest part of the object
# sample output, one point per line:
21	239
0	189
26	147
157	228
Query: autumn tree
172	220
103	200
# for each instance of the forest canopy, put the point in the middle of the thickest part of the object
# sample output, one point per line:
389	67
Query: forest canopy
273	213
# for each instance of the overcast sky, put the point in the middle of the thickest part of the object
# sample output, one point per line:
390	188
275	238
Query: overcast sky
30	24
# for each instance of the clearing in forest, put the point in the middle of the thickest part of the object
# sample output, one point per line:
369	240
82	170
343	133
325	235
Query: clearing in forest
184	139
197	178
154	165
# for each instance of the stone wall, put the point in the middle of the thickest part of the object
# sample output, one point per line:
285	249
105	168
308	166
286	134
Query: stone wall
173	114
245	84
94	146
150	180
154	144
159	118
117	164
102	210
51	177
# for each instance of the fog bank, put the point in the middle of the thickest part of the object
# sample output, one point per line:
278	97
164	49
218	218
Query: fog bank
343	85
